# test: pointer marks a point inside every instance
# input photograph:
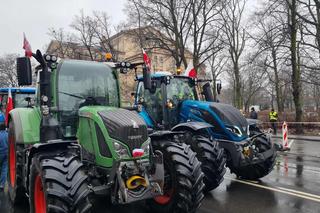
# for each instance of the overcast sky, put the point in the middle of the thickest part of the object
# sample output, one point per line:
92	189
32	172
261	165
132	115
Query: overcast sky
34	17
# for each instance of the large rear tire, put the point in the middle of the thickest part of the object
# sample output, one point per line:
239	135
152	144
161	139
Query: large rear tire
183	188
16	189
212	159
58	184
258	170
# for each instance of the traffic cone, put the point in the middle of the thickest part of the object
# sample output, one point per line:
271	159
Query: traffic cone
285	137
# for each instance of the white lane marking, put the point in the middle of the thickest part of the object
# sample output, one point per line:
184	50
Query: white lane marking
290	143
306	196
299	192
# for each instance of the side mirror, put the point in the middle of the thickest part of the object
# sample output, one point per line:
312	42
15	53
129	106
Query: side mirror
219	87
24	71
146	78
207	92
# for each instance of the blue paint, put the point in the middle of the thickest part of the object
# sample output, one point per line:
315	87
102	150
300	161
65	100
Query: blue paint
18	90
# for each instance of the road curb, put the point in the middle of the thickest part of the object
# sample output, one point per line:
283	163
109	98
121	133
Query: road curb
296	137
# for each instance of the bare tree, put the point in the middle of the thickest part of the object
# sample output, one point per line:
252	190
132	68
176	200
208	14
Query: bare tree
85	29
180	25
235	35
255	80
8	73
102	32
66	43
217	64
296	71
270	39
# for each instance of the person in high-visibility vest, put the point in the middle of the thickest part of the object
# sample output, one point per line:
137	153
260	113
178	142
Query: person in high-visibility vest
273	118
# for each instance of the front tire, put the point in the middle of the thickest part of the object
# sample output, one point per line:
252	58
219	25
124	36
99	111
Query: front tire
212	158
16	189
258	170
183	188
58	184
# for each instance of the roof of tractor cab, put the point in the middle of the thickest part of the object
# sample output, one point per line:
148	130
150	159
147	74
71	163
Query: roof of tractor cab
82	64
161	74
30	90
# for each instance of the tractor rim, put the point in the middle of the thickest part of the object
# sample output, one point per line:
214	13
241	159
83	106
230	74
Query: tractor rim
12	163
39	197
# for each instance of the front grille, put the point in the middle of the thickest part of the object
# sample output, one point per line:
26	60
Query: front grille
125	126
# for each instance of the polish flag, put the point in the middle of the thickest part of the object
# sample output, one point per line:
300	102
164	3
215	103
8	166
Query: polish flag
9	106
190	71
27	46
146	59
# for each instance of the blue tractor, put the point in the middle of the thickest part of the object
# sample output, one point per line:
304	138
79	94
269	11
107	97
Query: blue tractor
174	102
21	96
161	114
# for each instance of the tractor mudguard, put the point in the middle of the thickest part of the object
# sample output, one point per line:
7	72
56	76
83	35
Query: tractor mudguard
26	124
164	133
52	146
193	125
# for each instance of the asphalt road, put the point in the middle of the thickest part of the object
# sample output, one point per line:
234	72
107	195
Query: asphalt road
292	186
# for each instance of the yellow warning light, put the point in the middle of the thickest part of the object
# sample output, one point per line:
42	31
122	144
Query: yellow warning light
178	70
108	56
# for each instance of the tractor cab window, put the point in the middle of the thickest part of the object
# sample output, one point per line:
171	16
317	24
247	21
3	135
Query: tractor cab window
80	84
19	99
180	89
152	101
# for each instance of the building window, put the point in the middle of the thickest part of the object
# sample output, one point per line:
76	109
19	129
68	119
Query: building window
161	60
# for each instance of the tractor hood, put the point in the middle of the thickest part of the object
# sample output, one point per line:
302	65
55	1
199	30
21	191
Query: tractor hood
230	115
222	116
125	126
120	124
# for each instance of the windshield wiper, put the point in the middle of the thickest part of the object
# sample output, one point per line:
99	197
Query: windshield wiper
72	95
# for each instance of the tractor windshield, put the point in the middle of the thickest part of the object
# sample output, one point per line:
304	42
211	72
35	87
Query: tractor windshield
79	81
181	89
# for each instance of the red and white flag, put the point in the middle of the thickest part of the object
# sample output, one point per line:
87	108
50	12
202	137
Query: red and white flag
190	71
27	46
146	59
9	106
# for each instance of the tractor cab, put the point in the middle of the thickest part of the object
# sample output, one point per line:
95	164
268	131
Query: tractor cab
83	83
174	99
161	103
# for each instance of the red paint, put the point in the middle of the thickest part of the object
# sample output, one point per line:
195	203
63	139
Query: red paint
9	107
164	199
39	197
12	162
137	153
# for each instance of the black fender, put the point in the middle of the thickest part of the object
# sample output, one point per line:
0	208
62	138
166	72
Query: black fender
234	150
51	147
164	133
193	126
254	125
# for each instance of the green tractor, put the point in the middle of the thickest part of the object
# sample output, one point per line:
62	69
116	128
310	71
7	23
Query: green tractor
76	143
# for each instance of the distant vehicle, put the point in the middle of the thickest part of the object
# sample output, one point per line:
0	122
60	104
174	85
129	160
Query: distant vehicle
19	96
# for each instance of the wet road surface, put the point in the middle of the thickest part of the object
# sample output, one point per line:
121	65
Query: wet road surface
293	186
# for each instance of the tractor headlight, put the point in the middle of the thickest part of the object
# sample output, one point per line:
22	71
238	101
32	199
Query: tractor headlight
146	148
121	150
